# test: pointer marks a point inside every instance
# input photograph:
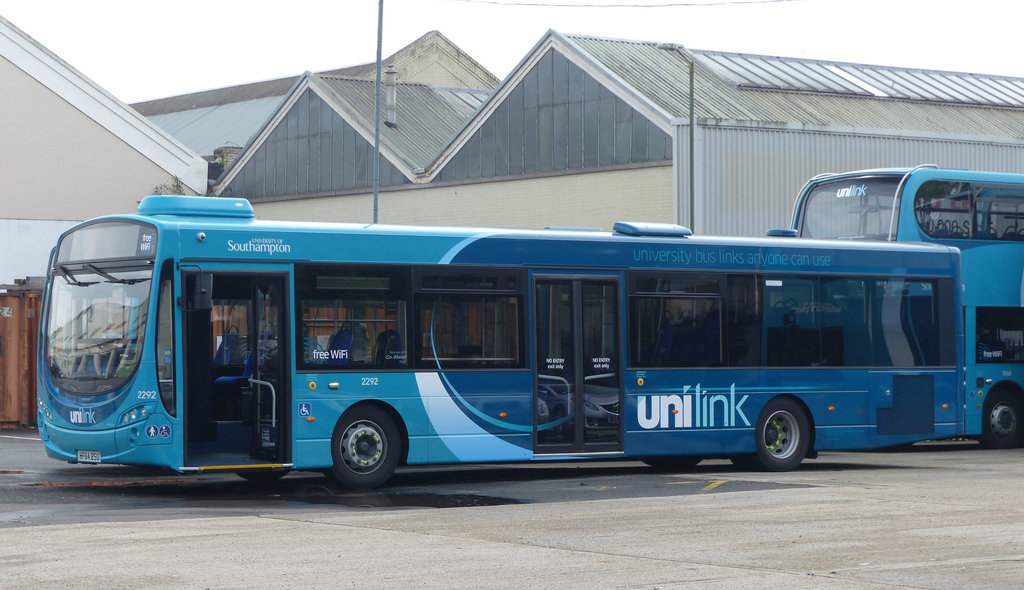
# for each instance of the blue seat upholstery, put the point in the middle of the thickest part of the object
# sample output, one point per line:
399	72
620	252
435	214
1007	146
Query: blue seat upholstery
247	372
340	348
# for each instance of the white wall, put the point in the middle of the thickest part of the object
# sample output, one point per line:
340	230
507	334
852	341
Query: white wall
25	247
57	163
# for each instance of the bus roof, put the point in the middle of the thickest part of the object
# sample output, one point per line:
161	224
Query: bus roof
928	171
215	213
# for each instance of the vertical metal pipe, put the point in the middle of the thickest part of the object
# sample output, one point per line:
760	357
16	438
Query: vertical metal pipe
376	113
693	225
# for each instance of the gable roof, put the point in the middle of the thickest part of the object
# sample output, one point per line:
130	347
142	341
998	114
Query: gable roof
740	89
96	103
829	77
427	117
232	115
731	87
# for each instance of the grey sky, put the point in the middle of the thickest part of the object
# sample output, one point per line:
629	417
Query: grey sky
143	50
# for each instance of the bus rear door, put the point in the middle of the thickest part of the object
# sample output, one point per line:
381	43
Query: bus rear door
578	381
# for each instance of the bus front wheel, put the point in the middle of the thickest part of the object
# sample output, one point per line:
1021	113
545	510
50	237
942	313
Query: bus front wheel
782	436
366	447
1001	421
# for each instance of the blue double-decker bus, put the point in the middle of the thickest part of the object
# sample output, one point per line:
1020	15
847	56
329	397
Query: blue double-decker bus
195	337
982	214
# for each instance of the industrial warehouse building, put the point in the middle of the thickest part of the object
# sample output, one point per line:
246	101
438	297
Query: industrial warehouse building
586	131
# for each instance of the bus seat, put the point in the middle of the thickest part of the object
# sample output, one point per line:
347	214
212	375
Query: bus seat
247	372
388	351
340	347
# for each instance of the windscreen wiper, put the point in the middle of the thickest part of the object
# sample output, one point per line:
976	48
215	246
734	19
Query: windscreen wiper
67	276
111	278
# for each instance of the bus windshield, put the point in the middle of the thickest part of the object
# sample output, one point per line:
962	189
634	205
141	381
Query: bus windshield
850	208
99	294
97	320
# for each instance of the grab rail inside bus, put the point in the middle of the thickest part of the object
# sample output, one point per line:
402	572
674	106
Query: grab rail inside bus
273	399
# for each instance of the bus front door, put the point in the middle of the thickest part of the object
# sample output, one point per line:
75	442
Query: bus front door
235	331
577	385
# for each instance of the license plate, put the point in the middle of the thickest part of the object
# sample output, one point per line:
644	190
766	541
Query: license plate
88	456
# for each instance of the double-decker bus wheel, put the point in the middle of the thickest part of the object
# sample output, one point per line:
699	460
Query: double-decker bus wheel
782	436
1001	427
365	447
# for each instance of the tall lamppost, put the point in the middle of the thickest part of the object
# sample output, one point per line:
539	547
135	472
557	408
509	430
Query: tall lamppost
376	113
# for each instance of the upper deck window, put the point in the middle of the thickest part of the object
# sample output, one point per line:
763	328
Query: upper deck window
850	208
970	211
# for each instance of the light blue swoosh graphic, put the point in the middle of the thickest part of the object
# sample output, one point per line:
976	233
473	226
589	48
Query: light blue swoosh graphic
447	258
450	389
463	437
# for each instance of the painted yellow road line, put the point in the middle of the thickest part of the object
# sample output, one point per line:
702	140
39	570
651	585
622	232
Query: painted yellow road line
714	485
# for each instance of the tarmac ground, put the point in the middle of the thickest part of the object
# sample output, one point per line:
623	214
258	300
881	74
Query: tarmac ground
935	515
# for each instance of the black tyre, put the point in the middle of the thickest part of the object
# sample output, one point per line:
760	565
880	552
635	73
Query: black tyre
673	463
1001	421
783	435
366	448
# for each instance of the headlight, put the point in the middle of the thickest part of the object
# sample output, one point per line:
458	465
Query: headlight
136	414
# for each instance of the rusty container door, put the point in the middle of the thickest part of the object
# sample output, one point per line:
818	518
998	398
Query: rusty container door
19	326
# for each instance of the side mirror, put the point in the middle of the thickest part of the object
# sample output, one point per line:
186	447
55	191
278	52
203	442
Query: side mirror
202	292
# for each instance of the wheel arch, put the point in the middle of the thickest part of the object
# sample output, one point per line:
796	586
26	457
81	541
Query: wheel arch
1007	386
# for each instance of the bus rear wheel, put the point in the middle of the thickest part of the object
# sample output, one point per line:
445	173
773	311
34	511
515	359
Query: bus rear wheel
366	447
782	436
1001	421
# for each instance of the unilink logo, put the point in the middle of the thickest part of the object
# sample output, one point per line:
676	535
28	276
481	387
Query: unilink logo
852	191
82	417
695	408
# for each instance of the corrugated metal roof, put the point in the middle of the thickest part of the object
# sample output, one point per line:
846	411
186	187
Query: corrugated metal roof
427	117
772	90
783	73
204	130
464	100
216	97
232	115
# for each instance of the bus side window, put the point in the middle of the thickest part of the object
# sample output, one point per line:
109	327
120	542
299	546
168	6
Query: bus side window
347	313
469	331
165	341
1000	337
676	321
999	214
743	321
791	322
